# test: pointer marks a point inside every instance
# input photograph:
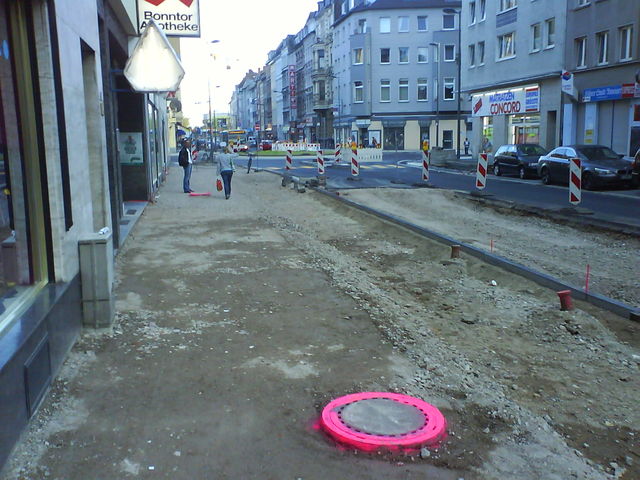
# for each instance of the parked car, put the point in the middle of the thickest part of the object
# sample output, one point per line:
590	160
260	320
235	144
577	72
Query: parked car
601	166
266	145
518	159
635	170
242	147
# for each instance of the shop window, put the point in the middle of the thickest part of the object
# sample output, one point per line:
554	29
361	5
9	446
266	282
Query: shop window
636	113
24	253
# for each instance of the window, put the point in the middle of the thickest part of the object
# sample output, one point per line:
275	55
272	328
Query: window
423	54
358	92
362	25
472	13
602	41
507	4
403	90
385	25
536	37
403	54
626	33
507	46
581	52
423	89
384	55
449	85
423	25
449	53
483	10
448	22
358	56
550	33
385	90
582	3
472	55
480	53
320	59
403	24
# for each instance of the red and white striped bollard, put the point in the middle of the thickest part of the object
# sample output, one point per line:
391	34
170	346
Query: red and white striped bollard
320	160
355	166
338	156
425	165
481	173
288	161
575	181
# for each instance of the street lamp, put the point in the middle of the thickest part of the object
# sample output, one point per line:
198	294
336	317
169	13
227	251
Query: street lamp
210	118
437	45
453	11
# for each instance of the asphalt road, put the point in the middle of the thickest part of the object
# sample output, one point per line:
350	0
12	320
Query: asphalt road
403	170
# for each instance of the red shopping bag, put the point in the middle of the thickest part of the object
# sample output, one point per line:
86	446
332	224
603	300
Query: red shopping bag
219	184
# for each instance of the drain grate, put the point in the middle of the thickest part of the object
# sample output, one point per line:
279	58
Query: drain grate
374	421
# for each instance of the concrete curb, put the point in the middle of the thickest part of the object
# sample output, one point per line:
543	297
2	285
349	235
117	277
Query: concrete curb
609	304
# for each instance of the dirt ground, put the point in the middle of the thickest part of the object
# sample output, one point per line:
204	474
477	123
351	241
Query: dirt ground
323	300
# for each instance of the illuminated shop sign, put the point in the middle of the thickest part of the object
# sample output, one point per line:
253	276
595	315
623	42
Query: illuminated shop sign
507	102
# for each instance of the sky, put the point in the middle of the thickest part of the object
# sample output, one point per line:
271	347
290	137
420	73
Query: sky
247	31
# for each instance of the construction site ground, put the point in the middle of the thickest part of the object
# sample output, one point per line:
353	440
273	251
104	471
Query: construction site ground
238	320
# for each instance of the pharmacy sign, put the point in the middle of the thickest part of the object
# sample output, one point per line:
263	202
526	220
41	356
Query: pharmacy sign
176	18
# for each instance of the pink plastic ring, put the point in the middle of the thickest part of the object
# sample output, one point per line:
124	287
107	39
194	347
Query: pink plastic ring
430	433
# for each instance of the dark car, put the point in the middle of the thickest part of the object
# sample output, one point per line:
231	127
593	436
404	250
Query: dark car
518	159
635	170
600	165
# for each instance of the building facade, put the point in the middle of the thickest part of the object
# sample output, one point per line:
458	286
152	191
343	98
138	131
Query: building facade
395	63
602	52
512	60
76	143
381	73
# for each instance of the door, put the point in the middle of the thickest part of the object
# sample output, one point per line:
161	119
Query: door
555	163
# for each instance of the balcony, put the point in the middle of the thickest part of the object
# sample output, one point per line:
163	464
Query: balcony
322	102
321	72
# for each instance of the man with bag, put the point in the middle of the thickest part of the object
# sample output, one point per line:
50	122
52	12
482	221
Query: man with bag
186	162
225	170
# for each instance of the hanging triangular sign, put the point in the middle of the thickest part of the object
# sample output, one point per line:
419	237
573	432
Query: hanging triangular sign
154	66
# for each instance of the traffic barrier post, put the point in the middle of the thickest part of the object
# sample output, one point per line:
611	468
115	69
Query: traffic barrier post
481	173
355	166
320	160
575	181
288	164
425	165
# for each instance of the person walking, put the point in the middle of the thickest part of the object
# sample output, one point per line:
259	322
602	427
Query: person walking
466	146
185	160
487	147
225	170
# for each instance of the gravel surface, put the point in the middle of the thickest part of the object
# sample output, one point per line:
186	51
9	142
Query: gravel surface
529	392
534	392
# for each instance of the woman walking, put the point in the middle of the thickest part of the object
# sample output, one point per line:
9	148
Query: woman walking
225	170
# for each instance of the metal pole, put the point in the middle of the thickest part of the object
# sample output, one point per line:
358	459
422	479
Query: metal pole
210	125
459	60
437	45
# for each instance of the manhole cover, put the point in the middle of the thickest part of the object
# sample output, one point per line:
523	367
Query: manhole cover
373	421
382	416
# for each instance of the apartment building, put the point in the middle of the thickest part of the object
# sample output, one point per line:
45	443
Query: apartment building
603	65
394	63
513	58
381	72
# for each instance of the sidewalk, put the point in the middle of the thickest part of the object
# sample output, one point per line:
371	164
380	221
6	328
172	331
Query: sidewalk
227	342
